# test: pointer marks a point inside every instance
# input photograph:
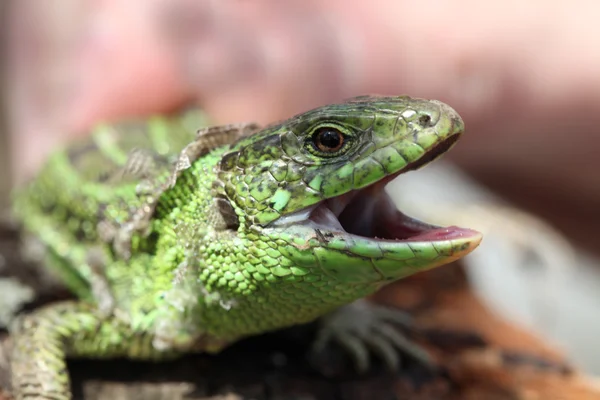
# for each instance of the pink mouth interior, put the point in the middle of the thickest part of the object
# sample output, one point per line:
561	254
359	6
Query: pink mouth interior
448	233
371	213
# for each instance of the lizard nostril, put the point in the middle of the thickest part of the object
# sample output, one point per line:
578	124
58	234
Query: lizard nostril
425	120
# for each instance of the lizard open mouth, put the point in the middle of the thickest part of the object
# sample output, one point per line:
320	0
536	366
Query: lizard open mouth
370	212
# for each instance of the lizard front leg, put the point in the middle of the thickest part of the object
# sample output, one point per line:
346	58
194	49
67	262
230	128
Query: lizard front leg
42	341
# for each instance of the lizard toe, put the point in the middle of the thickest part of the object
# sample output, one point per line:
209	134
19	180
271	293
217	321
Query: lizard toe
364	330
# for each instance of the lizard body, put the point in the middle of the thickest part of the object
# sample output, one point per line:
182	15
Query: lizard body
176	243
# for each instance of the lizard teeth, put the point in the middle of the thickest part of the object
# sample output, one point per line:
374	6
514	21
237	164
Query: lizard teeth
293	218
324	216
339	203
319	215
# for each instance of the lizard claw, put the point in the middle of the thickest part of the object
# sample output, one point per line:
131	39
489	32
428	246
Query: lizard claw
362	328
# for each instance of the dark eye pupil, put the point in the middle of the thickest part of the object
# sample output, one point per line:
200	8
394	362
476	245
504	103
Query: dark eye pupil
329	139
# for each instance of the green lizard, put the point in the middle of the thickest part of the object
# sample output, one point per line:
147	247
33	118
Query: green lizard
177	244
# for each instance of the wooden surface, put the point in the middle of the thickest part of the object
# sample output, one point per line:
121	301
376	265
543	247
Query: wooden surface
479	357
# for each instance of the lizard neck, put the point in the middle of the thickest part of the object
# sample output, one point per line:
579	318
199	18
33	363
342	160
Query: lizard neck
229	283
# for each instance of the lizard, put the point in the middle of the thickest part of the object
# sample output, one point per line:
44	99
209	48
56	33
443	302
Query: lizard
175	242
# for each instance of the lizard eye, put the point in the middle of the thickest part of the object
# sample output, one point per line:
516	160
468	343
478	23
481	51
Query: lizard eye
328	140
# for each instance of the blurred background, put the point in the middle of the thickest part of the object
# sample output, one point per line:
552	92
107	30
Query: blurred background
524	76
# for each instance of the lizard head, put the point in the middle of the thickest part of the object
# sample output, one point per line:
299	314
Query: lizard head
313	187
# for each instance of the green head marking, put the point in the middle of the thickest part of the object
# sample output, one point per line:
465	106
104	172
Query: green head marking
331	151
312	209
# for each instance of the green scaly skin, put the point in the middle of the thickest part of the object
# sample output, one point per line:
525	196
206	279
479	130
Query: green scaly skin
177	244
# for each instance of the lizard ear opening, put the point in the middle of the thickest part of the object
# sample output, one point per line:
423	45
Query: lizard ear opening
228	213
